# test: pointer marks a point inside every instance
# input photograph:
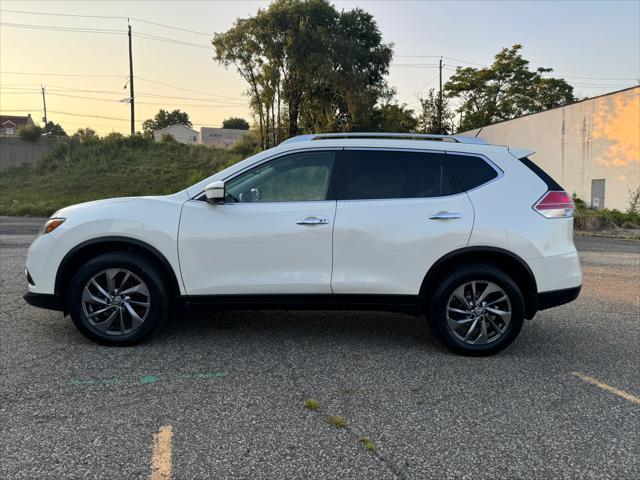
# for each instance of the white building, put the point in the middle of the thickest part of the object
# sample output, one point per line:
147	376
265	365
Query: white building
591	147
220	137
179	132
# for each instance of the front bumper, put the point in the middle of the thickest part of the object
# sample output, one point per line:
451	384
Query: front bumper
555	298
44	300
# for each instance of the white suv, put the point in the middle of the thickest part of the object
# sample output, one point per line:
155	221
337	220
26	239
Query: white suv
475	236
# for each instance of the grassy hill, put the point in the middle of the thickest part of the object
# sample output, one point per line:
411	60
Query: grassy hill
102	168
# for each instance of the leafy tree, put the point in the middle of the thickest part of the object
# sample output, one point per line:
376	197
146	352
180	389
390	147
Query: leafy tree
86	135
428	120
236	123
505	90
395	118
165	119
54	129
307	65
247	145
30	133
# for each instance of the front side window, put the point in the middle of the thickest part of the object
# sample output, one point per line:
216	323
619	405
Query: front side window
378	174
299	177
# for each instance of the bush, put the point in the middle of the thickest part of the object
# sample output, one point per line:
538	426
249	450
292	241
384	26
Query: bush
247	145
30	133
589	219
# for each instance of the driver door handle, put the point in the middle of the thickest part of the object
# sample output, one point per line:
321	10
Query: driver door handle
445	216
313	221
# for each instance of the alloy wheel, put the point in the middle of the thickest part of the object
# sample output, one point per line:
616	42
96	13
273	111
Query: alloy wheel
116	301
478	312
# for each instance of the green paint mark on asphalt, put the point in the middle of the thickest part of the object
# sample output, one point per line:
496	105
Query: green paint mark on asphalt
201	376
96	381
146	379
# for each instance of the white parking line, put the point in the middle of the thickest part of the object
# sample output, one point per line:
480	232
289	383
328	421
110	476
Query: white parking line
621	393
161	456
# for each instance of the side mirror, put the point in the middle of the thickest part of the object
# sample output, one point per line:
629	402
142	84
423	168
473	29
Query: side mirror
215	192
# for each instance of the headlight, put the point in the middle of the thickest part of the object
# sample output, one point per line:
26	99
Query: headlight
51	225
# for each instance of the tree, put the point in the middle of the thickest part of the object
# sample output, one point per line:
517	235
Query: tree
505	90
236	123
54	129
428	120
165	119
30	133
85	135
395	118
307	65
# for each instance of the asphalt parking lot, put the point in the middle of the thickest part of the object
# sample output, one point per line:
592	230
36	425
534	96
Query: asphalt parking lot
222	395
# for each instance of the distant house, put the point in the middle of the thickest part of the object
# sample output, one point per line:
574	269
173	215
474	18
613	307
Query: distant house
220	137
9	124
179	132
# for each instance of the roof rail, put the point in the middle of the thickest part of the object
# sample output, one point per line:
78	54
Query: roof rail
385	136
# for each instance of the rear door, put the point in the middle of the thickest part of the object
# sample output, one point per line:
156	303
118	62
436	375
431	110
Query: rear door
397	213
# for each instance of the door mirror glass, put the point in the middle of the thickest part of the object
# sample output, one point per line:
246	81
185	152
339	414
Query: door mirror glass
215	192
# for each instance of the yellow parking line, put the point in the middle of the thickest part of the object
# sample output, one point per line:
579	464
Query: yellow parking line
621	393
161	456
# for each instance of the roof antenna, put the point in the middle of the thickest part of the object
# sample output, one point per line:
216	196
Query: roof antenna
479	132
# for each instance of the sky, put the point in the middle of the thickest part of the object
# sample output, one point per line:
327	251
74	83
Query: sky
594	45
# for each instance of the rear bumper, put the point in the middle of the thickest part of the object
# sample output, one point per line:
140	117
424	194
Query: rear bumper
555	298
44	300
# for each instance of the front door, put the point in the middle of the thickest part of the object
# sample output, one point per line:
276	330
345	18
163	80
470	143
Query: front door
271	236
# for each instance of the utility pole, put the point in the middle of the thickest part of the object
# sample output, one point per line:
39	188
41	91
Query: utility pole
131	94
440	101
44	104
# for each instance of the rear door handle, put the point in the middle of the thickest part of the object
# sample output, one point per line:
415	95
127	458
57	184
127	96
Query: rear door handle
445	216
313	221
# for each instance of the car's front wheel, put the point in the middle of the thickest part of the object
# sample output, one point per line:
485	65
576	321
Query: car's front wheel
477	310
117	298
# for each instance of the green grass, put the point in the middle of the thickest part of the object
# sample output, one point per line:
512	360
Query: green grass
311	404
337	421
368	443
77	172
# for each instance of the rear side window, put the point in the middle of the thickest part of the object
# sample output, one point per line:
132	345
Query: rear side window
378	174
552	185
472	171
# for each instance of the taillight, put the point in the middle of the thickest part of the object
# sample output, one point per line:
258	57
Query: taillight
555	205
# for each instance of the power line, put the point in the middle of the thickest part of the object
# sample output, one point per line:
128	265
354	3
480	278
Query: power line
62	29
61	14
63	74
186	89
171	41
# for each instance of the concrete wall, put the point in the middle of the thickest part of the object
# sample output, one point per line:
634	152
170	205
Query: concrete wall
14	151
220	137
594	139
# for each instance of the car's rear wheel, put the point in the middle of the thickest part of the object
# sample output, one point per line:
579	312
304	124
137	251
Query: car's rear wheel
477	310
117	298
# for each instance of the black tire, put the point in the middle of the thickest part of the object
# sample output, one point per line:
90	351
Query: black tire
437	310
141	267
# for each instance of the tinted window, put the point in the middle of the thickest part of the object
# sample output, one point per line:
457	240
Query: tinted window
544	176
375	174
293	178
472	171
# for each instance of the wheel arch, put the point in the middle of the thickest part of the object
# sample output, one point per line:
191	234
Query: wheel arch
499	258
84	251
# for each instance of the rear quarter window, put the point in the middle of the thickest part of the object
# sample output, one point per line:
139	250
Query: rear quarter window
552	185
471	171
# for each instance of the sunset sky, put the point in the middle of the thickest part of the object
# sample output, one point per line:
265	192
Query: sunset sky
594	45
